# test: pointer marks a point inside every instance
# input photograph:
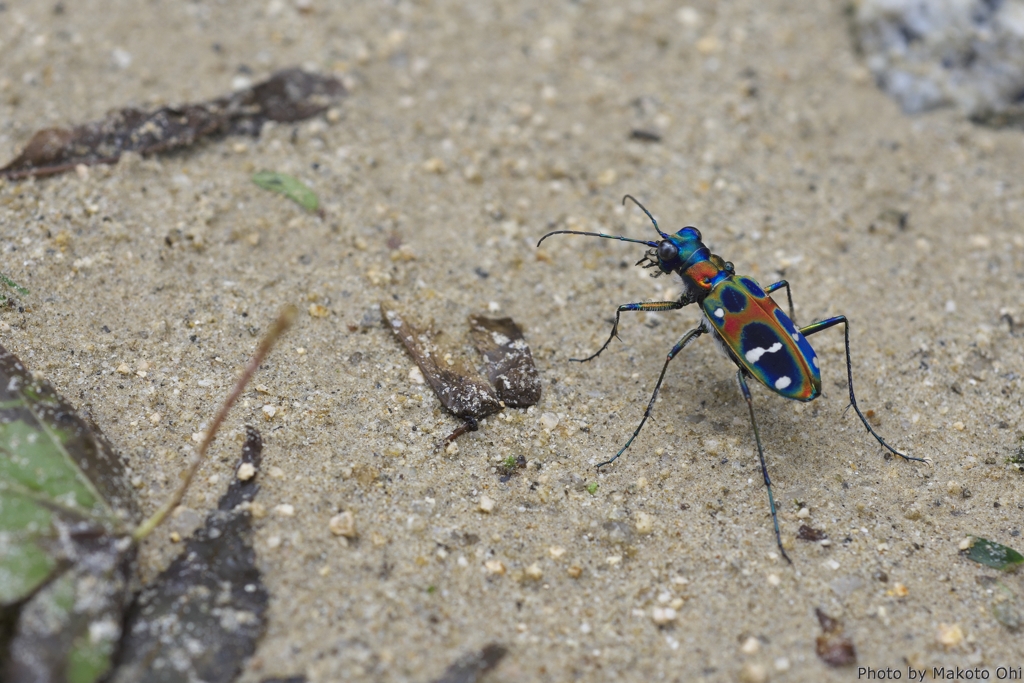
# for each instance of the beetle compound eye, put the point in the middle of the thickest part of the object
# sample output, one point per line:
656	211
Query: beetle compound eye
667	252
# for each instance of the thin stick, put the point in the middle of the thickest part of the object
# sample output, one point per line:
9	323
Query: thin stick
283	322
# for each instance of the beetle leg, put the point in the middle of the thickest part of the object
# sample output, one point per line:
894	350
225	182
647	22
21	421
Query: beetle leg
824	325
680	345
642	306
760	454
789	295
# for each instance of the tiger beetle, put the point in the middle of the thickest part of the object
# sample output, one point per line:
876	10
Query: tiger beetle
747	326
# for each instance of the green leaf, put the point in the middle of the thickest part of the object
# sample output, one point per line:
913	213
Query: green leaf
995	555
13	285
290	187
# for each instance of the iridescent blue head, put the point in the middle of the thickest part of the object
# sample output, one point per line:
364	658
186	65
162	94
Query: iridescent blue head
673	253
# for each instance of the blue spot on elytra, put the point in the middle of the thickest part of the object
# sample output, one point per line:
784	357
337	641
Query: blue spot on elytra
733	300
770	366
753	287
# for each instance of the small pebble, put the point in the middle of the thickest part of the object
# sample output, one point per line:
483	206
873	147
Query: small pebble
276	472
273	542
575	571
774	580
782	664
644	523
175	537
123	369
614	560
556	551
246	471
285	510
898	590
318	311
486	504
949	635
967	543
269	411
753	673
495	567
416	377
804	513
155	418
751	646
343	524
434	165
549	421
534	572
663	615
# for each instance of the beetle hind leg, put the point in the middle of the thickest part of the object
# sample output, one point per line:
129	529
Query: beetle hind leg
760	454
831	322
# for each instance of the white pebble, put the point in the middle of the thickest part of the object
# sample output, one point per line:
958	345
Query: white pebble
549	421
343	524
644	523
663	615
751	646
285	510
246	471
486	504
269	410
804	513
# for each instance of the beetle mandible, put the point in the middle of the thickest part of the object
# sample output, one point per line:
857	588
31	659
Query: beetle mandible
746	325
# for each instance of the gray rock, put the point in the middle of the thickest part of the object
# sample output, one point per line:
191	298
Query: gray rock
935	53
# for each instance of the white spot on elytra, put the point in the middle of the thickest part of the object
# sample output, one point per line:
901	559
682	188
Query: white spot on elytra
783	382
796	336
754	355
815	361
719	313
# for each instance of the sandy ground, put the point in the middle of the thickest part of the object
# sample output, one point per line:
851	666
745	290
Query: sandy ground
472	129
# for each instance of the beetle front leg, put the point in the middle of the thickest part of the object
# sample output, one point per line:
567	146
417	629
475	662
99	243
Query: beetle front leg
642	306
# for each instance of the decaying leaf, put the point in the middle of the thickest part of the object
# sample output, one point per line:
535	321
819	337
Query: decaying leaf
508	360
456	382
470	667
289	95
992	554
66	513
200	619
67	532
832	646
290	187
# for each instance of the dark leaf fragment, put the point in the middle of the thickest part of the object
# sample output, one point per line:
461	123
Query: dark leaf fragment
807	533
289	95
508	359
201	618
470	667
457	384
834	648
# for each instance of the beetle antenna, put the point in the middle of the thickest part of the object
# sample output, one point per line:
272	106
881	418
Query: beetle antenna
644	209
598	234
